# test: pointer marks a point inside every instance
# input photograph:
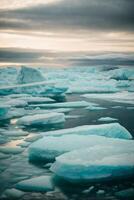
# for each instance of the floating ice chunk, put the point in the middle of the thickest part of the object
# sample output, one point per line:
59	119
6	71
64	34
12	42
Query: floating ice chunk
122	74
18	96
123	84
14	133
37	184
15	102
47	148
106	161
122	97
24	144
33	138
95	108
93	89
73	104
29	75
13	193
73	116
130	108
11	150
42	119
117	107
45	111
107	119
113	130
32	100
40	88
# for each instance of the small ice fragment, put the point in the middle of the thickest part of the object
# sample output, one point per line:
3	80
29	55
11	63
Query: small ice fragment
42	119
37	184
11	150
107	119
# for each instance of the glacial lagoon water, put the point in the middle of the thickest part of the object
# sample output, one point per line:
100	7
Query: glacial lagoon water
16	167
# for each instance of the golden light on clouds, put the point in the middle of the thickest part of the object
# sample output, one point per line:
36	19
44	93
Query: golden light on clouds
89	42
13	4
65	27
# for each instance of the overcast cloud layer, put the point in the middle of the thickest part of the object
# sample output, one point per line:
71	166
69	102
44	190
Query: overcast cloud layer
96	24
73	14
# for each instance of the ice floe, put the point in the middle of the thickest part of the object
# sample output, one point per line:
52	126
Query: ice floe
14	133
107	119
105	161
41	119
49	147
122	74
122	97
113	130
73	104
36	184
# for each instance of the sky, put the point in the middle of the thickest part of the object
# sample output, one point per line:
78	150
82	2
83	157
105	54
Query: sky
57	32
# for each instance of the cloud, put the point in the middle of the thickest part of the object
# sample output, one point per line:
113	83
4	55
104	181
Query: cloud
72	15
20	55
50	58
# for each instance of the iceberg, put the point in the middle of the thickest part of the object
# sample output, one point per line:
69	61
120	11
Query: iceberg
37	184
122	74
73	104
41	119
113	130
29	75
100	162
49	147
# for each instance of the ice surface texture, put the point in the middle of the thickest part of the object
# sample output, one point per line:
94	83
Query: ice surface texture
100	162
113	130
49	147
42	119
37	184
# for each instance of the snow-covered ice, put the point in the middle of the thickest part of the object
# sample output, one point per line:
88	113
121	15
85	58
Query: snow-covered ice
49	147
105	161
113	130
41	119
